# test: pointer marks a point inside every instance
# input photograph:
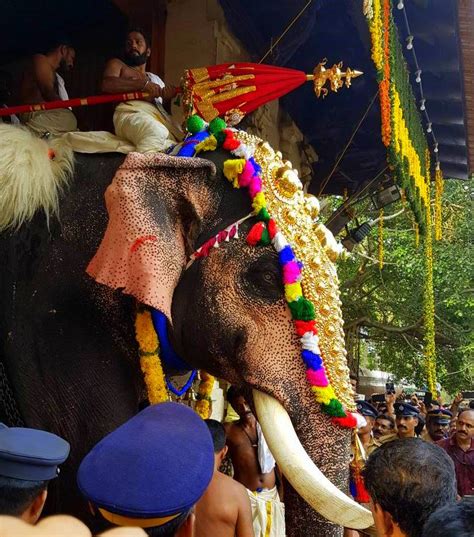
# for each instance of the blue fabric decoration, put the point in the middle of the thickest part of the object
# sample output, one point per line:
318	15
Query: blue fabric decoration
30	454
167	354
188	146
157	464
185	388
286	255
256	166
313	361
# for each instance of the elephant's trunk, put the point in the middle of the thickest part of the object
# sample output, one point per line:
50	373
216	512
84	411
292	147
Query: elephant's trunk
301	472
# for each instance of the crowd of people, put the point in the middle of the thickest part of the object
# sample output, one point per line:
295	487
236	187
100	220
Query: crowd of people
162	471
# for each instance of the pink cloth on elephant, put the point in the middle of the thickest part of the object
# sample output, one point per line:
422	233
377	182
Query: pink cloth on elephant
143	251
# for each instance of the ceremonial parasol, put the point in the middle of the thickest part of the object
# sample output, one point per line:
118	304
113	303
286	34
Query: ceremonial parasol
232	90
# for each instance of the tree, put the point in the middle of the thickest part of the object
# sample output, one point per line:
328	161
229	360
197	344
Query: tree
385	306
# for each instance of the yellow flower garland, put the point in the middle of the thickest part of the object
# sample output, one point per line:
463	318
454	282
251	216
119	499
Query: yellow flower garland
376	28
380	239
203	405
439	187
429	305
150	363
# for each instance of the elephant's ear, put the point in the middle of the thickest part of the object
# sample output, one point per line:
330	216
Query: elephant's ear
154	203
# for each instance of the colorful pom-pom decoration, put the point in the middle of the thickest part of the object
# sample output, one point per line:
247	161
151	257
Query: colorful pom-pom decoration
195	124
217	125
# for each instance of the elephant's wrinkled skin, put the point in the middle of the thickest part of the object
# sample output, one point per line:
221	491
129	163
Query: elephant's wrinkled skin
68	345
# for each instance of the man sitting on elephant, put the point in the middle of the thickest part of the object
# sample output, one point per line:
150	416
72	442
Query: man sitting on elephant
42	83
146	125
254	467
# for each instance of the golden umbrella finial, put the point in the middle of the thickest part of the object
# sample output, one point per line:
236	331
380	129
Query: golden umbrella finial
321	76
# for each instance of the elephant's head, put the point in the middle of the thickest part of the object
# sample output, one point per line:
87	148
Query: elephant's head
229	311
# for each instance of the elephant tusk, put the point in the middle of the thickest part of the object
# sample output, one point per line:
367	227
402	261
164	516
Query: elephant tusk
305	477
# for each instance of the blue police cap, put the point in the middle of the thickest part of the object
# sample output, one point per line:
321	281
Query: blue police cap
440	415
366	409
30	454
151	469
406	410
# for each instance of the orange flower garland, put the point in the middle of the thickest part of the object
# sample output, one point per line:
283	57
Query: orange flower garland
204	401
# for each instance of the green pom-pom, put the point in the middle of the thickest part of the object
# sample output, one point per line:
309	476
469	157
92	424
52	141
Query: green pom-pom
217	125
195	124
263	215
265	238
302	309
220	137
334	409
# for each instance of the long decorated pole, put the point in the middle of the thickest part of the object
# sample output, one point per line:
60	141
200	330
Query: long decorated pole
71	103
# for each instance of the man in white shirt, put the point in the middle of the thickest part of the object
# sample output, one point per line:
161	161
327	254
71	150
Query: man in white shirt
145	124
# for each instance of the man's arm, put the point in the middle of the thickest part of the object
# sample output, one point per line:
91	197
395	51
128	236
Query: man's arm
114	82
244	526
45	78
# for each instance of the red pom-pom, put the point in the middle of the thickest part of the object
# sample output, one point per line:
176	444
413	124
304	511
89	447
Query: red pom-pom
272	228
255	234
230	143
362	496
348	421
305	326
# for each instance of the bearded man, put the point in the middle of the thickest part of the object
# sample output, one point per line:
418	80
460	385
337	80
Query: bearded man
146	124
41	83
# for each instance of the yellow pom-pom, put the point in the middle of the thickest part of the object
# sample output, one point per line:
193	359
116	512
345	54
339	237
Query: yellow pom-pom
259	202
208	144
293	291
232	168
323	395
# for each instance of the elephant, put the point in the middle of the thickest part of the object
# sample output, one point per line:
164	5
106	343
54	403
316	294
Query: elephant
69	357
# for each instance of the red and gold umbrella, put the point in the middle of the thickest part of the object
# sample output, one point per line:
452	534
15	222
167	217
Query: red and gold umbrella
232	90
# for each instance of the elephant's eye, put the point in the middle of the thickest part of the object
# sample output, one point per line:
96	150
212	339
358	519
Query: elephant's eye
262	279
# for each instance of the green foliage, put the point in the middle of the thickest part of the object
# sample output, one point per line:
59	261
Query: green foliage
387	305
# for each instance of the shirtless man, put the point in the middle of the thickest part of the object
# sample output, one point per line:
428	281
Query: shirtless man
224	509
42	83
254	467
145	124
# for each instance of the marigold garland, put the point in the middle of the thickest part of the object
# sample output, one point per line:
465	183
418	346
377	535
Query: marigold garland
244	172
204	401
150	363
376	32
439	188
380	239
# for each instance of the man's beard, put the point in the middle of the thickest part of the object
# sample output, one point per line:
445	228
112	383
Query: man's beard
64	67
135	60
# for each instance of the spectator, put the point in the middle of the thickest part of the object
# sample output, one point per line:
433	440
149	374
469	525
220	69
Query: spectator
437	425
407	481
460	447
151	471
254	467
453	520
224	509
384	425
365	434
456	402
29	460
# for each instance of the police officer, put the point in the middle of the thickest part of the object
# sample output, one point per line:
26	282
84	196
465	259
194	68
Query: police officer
151	471
407	418
437	425
365	433
29	460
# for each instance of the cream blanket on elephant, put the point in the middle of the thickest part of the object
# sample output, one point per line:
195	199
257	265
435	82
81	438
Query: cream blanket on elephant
268	513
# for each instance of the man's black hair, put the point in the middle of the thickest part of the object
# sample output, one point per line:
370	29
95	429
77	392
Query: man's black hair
387	417
139	30
453	520
471	404
218	434
56	42
16	495
410	479
170	528
233	392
